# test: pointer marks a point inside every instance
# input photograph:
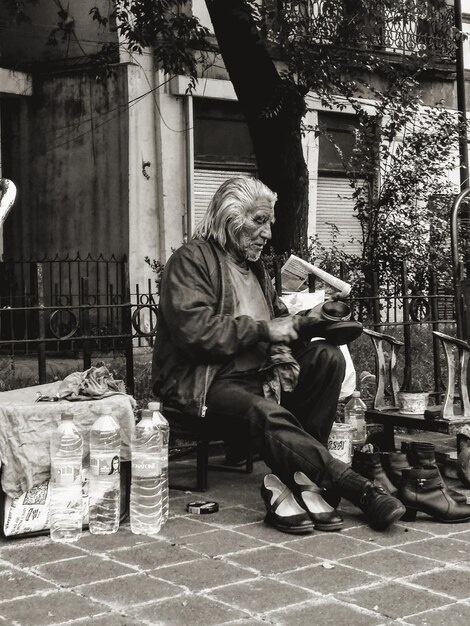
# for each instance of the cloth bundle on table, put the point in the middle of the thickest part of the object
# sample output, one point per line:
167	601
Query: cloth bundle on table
95	383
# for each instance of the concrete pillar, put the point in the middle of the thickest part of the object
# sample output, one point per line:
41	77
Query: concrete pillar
172	155
144	226
310	146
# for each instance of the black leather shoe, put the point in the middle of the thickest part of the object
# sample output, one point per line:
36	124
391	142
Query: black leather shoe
296	524
369	465
336	333
309	496
381	509
332	497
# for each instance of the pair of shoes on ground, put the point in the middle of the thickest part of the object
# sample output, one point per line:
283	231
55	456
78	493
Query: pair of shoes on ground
413	477
301	512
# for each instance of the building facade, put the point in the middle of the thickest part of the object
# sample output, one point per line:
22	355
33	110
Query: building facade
126	165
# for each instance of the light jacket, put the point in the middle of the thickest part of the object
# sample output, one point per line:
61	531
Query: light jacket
197	332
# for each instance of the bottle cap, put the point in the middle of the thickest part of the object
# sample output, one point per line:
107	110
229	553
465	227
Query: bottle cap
356	394
154	406
202	507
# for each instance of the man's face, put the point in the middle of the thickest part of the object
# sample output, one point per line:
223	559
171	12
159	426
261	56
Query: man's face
256	230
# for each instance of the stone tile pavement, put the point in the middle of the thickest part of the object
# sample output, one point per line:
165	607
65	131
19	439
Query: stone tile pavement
230	568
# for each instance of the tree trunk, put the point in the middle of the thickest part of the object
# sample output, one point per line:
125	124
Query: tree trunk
273	109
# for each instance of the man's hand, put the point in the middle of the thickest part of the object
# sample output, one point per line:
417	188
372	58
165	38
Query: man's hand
282	329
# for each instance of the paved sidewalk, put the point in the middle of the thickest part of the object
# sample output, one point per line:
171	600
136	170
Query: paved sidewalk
229	568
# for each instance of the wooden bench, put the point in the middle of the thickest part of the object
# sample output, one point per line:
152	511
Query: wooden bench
446	418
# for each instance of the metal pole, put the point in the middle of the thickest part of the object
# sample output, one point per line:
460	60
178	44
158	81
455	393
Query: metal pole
457	265
188	219
461	103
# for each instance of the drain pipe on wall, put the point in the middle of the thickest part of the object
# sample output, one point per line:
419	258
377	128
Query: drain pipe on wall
187	217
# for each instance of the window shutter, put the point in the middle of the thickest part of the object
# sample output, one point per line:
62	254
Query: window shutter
335	206
206	183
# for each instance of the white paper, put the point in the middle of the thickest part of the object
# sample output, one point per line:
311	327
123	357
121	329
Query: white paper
295	271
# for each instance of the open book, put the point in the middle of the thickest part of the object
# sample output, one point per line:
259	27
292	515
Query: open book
295	271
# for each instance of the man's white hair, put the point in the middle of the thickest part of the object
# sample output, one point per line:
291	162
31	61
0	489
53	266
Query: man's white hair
225	214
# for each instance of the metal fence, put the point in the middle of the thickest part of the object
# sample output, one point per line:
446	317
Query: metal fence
404	27
410	316
85	307
73	307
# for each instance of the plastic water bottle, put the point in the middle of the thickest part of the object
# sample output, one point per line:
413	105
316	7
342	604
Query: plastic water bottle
354	415
146	487
105	477
164	427
66	447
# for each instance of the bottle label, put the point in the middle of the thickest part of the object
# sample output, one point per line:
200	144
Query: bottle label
340	442
164	458
104	464
146	467
352	420
65	472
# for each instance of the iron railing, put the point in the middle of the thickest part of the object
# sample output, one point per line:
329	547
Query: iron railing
401	312
404	26
76	307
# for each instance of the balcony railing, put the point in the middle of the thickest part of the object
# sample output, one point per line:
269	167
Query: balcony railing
406	27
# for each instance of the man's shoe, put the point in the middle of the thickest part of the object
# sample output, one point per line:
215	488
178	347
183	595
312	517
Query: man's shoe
336	333
274	493
381	509
369	465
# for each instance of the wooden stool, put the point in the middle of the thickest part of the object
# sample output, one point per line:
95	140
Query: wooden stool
191	428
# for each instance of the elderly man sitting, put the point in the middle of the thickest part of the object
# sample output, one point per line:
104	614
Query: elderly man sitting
224	351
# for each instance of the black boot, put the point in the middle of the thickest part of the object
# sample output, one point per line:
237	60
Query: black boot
422	489
421	453
369	465
380	508
393	464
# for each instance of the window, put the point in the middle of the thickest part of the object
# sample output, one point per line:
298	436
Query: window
334	193
221	135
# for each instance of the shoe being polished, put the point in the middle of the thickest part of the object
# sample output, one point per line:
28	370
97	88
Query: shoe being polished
309	496
336	333
380	508
283	511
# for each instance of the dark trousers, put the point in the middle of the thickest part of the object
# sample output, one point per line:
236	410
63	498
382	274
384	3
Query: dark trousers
291	436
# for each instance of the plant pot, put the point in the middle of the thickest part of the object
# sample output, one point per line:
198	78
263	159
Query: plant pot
412	402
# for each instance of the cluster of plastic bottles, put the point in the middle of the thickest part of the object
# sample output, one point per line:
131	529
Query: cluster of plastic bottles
149	476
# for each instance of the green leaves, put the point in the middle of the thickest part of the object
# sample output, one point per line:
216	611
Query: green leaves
169	27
